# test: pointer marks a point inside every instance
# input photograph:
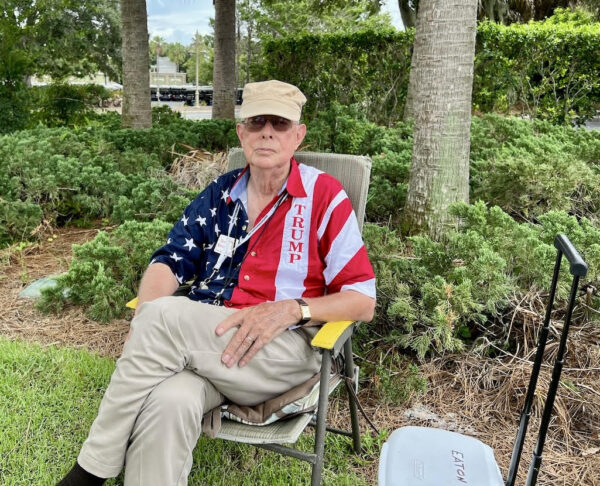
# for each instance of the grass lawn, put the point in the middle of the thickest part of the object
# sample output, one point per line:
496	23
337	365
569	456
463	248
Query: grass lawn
49	398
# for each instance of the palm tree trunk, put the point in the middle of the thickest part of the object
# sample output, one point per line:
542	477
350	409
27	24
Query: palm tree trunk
137	111
444	51
224	60
408	13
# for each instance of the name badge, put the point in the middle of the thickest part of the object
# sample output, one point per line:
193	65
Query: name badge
225	245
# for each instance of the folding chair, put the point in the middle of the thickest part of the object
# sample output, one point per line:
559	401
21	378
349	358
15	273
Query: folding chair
433	457
333	339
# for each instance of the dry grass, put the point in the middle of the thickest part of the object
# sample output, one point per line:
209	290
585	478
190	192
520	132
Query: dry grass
477	395
197	168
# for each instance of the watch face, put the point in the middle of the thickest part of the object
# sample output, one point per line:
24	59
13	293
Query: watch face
305	312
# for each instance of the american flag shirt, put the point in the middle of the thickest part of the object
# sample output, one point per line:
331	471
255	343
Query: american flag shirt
309	244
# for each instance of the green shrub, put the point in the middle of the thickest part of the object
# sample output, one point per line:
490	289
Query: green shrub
211	135
439	296
346	130
14	107
79	175
59	104
75	177
367	68
105	272
397	381
530	168
153	198
547	69
14	65
18	220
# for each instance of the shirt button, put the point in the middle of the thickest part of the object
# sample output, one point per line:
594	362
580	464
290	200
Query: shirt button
246	277
253	253
244	227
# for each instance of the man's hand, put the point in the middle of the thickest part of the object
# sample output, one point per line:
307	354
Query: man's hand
258	325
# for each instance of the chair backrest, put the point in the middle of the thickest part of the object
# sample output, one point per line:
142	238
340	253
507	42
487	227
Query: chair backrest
353	171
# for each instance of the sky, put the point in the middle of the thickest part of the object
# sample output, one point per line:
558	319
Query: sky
178	20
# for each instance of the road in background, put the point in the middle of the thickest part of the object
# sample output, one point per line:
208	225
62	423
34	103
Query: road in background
205	112
191	112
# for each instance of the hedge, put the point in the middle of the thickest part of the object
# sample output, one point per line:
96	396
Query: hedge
549	70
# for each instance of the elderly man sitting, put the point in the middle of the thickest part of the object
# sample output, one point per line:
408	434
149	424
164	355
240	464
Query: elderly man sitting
274	250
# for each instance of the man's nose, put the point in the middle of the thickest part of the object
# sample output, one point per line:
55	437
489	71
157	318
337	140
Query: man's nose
267	130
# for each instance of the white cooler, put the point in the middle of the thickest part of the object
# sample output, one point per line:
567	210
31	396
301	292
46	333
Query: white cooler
422	456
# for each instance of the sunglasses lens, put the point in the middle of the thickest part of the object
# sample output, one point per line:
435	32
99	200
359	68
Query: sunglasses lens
281	124
257	123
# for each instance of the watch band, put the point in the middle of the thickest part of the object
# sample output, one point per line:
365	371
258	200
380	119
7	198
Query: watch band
305	311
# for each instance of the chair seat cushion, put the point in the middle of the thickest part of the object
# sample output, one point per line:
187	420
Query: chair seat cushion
299	400
285	431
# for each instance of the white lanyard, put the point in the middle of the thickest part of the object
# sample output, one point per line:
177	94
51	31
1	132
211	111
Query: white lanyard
249	235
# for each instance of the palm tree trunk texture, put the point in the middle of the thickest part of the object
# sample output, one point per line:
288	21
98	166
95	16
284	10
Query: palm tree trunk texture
224	60
444	51
137	111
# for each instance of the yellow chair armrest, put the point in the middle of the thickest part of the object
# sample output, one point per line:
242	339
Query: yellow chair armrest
132	304
330	333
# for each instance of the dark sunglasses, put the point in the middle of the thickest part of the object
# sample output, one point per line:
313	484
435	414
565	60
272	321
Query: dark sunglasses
257	123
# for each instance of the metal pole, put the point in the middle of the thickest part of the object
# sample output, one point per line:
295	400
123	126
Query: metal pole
197	98
526	413
536	460
321	418
349	371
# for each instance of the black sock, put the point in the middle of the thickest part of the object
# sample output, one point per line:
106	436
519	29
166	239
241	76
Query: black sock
80	477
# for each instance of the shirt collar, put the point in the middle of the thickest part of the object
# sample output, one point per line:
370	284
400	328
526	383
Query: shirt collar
293	184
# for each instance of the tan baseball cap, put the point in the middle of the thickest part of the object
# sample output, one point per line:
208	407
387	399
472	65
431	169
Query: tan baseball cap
272	98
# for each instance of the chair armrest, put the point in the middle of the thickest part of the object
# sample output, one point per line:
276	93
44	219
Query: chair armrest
132	304
333	335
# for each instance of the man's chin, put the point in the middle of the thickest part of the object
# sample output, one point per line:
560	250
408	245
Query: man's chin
266	159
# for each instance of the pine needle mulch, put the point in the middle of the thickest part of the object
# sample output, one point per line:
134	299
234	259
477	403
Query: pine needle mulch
476	395
20	319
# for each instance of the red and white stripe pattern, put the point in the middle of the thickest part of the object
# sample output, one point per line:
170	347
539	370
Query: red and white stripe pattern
311	247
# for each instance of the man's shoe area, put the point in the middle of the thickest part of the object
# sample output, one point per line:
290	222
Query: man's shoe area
80	477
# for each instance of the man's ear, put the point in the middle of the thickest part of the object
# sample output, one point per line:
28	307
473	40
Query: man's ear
239	129
300	134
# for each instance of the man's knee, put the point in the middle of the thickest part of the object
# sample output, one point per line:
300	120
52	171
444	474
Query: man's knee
176	398
156	313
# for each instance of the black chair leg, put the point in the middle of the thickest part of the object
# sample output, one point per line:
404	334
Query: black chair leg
349	372
317	468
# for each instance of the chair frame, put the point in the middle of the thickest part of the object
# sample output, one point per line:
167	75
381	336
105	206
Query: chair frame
316	458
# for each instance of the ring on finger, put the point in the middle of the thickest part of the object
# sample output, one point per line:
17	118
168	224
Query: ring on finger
250	339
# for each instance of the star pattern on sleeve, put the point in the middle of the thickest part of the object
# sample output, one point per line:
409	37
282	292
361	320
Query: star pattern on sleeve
176	257
213	212
225	194
189	244
184	220
179	279
217	230
201	220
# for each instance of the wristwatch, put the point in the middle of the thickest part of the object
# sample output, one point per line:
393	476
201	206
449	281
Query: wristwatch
304	311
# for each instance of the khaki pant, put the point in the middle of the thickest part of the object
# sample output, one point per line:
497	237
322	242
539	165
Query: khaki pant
169	375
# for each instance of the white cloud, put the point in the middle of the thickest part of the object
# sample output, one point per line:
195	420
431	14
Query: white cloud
177	21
